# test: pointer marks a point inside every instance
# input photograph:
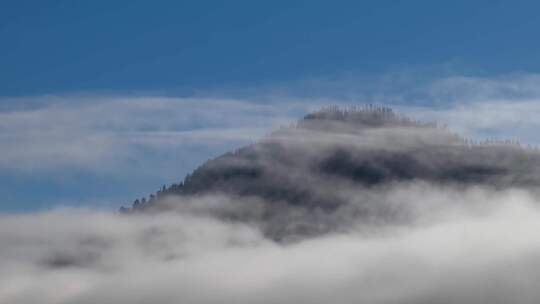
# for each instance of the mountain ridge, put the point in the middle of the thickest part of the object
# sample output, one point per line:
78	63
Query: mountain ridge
304	166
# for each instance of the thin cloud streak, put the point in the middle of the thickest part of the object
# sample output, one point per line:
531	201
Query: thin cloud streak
84	134
86	131
500	119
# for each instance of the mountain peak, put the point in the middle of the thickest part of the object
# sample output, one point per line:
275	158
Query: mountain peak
370	147
367	115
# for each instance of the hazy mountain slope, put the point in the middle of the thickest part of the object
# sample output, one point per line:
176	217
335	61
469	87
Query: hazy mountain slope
337	164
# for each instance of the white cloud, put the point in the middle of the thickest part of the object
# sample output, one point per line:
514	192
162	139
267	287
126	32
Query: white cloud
500	119
93	132
90	131
473	246
83	256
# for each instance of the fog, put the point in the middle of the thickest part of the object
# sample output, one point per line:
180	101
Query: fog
477	245
369	209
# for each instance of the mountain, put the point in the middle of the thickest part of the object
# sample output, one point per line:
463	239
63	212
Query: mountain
314	176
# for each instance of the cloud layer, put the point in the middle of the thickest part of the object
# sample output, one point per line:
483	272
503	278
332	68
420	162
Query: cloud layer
99	132
91	131
475	246
405	242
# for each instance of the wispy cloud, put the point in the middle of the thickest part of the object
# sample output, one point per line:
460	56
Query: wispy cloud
123	138
92	131
87	130
500	118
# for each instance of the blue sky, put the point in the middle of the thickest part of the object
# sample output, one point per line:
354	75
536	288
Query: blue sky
105	101
184	46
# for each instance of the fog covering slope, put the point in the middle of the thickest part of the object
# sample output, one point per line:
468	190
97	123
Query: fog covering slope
355	206
334	168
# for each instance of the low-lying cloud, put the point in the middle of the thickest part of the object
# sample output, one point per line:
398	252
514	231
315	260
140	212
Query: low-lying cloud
473	246
405	238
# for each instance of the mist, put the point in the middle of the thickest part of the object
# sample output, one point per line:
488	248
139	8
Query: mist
474	246
372	209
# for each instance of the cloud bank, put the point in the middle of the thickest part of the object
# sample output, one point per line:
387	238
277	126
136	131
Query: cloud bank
416	235
477	247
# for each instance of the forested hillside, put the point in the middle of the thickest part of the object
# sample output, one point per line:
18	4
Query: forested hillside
334	159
